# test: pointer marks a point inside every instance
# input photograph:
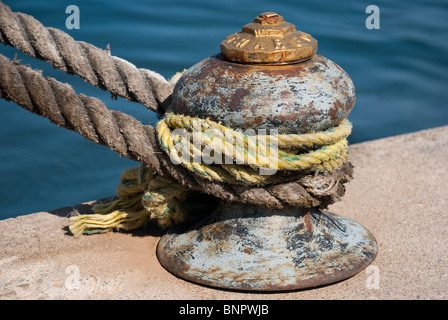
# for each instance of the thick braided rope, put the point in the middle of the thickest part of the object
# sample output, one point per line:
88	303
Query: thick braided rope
94	65
130	138
86	115
144	195
331	154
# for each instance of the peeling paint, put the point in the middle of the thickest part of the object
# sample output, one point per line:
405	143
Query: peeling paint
245	247
296	98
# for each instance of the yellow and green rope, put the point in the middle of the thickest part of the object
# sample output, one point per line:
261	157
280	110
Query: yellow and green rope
144	194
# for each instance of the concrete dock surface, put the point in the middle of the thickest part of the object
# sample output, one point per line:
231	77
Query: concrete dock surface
399	193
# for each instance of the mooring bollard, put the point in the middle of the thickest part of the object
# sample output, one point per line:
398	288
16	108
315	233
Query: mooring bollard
268	76
268	232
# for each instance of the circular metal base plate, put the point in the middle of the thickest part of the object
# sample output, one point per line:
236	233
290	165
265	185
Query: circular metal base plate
245	247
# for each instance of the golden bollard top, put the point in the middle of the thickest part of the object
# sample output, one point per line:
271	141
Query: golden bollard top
269	40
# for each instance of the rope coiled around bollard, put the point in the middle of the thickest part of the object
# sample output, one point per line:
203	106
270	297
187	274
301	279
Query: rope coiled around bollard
144	194
325	151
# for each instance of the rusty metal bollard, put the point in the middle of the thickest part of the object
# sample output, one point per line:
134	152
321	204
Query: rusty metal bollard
268	76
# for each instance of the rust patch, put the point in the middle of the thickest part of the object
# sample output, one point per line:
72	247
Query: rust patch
284	95
217	231
291	117
333	112
179	266
308	223
235	102
338	104
255	122
348	106
336	84
247	250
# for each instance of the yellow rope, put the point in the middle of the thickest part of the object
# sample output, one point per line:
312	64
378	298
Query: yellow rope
143	194
325	151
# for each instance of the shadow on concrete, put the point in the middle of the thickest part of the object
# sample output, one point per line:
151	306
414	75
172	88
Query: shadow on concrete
83	208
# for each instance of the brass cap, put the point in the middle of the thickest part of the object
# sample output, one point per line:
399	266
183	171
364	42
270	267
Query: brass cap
269	40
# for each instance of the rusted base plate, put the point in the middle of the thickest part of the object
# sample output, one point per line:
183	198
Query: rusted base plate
245	247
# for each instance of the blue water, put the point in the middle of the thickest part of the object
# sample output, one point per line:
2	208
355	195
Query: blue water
400	73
